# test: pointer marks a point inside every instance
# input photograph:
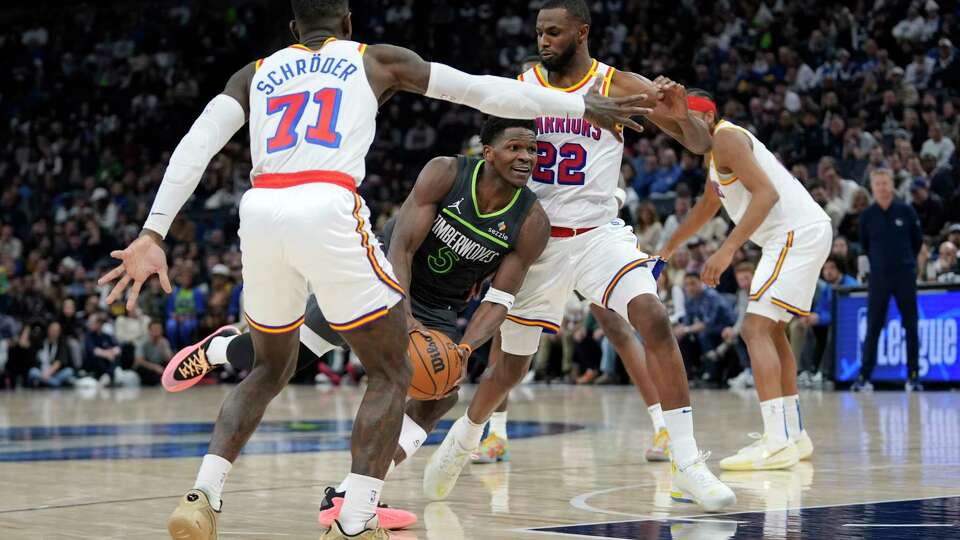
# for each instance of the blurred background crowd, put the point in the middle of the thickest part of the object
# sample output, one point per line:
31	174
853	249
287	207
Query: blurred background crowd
98	95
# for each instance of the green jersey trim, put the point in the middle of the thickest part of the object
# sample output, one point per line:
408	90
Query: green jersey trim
473	193
468	225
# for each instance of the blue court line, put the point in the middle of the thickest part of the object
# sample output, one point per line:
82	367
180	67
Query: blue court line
57	443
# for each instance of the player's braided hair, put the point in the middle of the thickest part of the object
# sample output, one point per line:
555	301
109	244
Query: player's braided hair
576	8
495	126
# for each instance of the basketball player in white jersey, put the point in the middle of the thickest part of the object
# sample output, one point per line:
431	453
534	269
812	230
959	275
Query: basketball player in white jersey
494	448
771	208
591	252
312	109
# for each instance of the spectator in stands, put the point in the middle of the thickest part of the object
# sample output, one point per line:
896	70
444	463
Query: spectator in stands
692	174
130	329
850	224
891	238
937	145
21	354
681	205
219	297
668	173
732	334
102	352
10	245
646	176
648	227
940	177
813	363
953	234
919	71
944	269
185	306
701	330
53	366
928	206
152	354
839	190
699	253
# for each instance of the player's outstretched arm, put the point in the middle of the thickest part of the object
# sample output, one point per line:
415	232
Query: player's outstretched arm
531	242
223	116
734	151
414	220
390	68
670	112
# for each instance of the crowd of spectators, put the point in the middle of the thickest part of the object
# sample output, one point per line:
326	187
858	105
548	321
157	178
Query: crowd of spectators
97	97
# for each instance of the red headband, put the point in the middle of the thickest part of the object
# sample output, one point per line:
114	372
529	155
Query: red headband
701	104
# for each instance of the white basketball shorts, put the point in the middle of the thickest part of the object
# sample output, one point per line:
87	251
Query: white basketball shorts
312	237
786	277
604	265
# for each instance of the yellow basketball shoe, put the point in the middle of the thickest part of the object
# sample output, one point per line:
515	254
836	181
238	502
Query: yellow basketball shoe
493	449
194	518
763	455
336	533
804	445
660	449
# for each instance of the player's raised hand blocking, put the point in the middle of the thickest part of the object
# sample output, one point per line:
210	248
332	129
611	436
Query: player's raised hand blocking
611	113
143	258
671	98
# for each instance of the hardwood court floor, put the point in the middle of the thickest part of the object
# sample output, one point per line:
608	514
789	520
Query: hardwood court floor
112	463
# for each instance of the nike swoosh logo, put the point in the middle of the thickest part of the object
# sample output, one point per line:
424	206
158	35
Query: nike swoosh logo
157	214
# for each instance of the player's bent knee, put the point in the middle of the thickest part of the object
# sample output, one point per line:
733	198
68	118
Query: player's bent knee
511	370
393	369
650	318
756	327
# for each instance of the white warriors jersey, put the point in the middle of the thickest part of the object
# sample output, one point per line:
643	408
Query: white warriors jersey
795	209
578	164
312	110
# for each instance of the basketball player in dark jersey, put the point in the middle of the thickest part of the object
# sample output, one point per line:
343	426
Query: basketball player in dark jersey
467	219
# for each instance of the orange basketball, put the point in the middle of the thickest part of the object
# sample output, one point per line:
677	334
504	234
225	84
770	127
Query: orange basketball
436	365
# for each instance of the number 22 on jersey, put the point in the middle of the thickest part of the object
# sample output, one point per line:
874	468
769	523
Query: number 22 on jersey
572	159
290	107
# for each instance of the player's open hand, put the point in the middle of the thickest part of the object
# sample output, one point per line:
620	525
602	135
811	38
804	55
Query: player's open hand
671	98
143	258
716	265
612	113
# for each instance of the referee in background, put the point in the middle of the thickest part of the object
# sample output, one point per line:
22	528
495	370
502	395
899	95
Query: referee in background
891	238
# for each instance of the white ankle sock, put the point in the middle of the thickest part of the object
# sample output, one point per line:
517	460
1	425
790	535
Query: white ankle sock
212	476
466	433
683	446
498	424
217	350
656	416
774	420
345	484
791	409
360	503
412	436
